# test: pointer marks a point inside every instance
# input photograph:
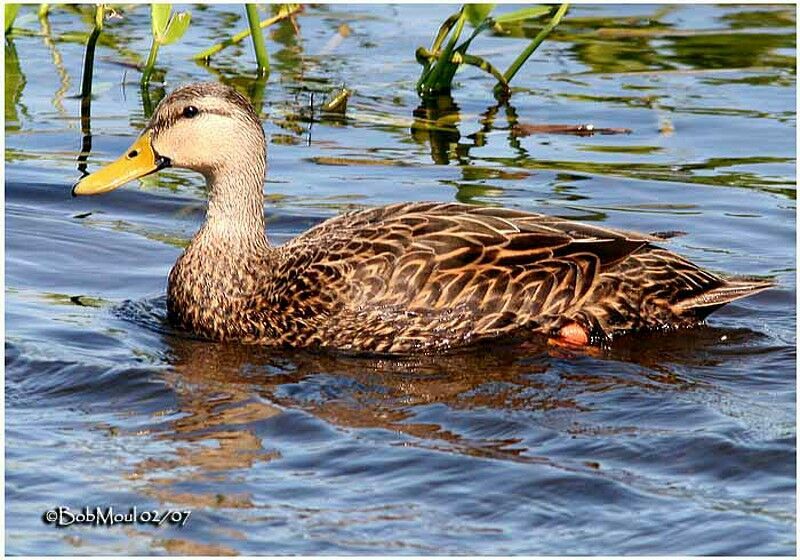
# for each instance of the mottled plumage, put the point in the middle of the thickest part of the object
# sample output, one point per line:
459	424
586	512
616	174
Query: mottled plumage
406	278
429	276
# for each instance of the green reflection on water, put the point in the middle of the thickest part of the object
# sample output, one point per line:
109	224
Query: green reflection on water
760	40
690	173
15	84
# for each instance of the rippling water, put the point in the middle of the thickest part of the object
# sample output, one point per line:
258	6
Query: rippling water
682	443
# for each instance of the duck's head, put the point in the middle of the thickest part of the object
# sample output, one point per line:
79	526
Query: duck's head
205	127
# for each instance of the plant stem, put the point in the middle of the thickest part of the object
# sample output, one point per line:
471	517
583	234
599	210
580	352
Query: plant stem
99	16
86	87
262	58
472	60
524	55
150	64
444	30
239	37
486	66
147	100
88	59
439	77
451	44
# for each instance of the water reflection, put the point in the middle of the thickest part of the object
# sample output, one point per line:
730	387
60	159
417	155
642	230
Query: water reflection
489	403
436	123
15	85
653	41
63	75
85	95
209	432
437	120
224	390
289	59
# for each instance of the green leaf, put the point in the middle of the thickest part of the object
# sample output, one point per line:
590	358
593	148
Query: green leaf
523	14
11	14
476	13
176	28
160	17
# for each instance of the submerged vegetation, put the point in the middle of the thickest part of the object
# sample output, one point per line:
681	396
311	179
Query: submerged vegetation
440	62
466	41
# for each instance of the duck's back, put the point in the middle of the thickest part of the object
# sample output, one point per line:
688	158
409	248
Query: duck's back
431	276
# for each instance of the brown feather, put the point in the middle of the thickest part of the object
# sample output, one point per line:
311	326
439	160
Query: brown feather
412	277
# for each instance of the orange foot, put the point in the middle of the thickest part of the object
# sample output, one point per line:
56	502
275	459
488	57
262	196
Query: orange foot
571	335
570	339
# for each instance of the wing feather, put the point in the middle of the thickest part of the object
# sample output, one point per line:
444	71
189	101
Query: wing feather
493	267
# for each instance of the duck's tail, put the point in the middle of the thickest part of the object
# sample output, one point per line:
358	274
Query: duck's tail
732	288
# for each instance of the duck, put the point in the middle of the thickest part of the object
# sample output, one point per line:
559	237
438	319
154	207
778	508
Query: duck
408	278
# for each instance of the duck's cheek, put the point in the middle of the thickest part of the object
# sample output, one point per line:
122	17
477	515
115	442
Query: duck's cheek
205	166
176	157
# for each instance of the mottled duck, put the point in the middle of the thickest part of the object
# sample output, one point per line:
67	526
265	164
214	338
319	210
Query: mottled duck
405	278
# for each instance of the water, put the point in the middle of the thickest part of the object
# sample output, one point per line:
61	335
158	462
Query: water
682	443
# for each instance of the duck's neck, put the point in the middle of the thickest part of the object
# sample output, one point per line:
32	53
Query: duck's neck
235	217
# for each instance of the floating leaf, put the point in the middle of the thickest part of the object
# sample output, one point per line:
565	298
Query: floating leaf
476	13
176	28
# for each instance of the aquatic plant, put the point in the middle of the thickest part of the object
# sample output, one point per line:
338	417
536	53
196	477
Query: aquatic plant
166	28
337	101
88	59
11	11
285	11
258	40
441	63
86	87
532	46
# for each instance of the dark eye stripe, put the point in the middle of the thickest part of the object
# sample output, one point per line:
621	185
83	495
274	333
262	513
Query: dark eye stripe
220	112
161	123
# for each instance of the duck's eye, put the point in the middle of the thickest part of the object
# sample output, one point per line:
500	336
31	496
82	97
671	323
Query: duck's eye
190	111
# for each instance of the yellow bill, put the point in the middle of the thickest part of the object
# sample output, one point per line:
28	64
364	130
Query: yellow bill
138	161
